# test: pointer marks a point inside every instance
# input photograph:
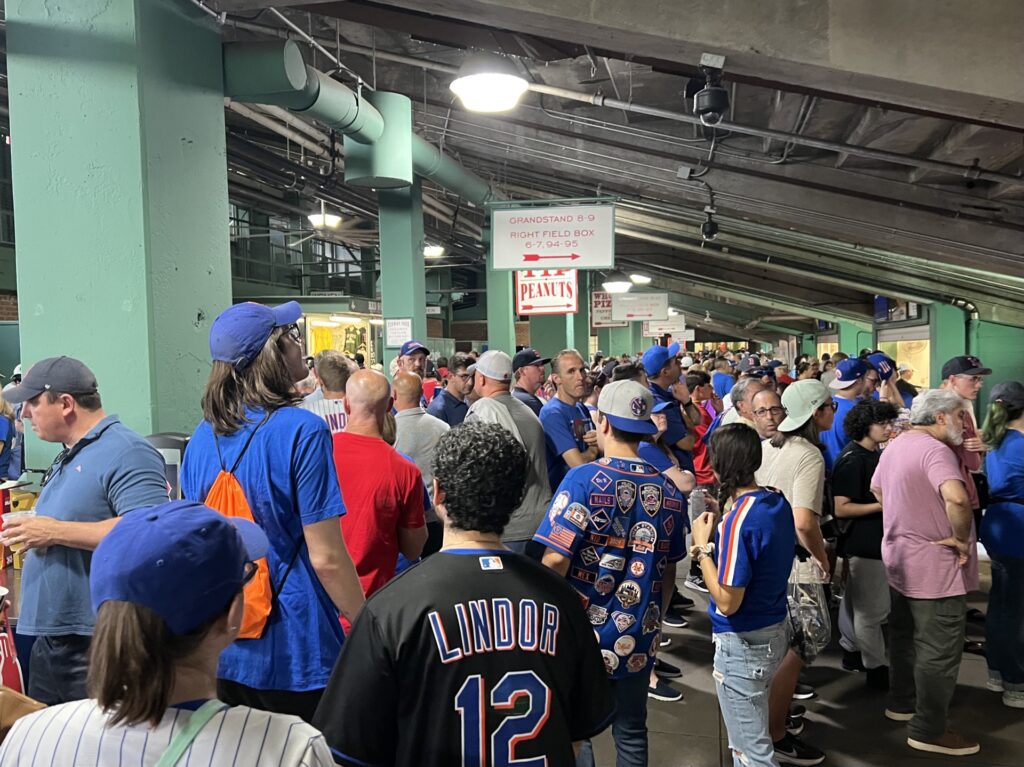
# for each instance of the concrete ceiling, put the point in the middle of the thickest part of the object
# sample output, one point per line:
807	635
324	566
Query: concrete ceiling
804	229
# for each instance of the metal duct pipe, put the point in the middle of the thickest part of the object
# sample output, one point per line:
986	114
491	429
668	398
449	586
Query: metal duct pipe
273	72
628	106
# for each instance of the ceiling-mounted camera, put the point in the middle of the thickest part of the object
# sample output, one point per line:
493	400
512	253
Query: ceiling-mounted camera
709	229
712	101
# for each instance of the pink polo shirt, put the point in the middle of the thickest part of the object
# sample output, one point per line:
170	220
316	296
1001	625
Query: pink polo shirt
909	474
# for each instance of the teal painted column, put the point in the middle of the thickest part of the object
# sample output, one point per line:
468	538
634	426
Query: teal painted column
501	317
402	277
947	331
120	198
604	340
620	341
551	333
581	320
636	338
854	337
809	345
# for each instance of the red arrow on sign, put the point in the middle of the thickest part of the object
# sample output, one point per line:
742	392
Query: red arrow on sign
528	307
527	257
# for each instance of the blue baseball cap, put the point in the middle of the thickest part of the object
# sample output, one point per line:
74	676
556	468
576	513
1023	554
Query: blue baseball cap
656	357
181	559
883	364
411	347
663	405
240	331
848	372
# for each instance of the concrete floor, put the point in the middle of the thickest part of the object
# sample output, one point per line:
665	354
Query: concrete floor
845	720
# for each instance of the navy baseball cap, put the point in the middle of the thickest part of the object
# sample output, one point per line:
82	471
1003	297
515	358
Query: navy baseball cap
848	372
749	362
411	347
528	356
628	405
967	365
883	364
56	374
240	332
657	357
181	559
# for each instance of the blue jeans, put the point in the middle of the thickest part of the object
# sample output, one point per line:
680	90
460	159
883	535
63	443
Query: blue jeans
629	728
744	666
1004	623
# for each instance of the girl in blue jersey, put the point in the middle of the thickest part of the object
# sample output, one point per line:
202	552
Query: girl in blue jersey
746	570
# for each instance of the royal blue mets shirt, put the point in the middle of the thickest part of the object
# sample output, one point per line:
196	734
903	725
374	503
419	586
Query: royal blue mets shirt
619	521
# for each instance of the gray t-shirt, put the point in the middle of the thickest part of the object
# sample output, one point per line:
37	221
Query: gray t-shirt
417	434
537	499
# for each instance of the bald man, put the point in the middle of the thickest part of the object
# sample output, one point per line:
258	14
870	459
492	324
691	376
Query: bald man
418	433
383	492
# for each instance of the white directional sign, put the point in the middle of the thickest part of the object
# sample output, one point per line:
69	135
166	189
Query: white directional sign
601	311
673	326
630	307
576	236
547	291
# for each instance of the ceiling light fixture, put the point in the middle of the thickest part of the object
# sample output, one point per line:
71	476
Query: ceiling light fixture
709	229
673	312
377	321
640	279
345	318
433	251
487	82
616	282
323	219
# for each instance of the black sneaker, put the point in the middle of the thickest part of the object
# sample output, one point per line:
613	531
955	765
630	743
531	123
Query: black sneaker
674	619
664	691
792	750
794	725
679	602
852	661
696	582
797	711
666	670
804	692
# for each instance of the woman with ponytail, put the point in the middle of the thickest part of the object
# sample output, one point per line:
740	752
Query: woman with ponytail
1002	532
746	569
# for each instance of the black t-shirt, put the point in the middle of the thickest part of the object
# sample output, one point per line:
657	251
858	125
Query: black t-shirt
534	402
469	654
851	477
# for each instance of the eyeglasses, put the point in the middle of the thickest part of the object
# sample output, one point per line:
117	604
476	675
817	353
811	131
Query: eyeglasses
293	332
873	381
58	462
762	412
977	380
464	376
833	404
249	572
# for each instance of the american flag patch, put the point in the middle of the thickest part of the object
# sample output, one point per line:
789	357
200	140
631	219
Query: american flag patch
563	536
491	563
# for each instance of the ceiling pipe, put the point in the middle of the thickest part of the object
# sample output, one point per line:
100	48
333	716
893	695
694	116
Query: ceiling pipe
273	72
598	100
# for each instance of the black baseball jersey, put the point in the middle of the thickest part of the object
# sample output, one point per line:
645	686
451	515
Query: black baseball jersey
473	658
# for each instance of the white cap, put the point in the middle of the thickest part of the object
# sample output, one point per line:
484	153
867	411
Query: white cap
493	364
17	370
628	405
686	362
904	367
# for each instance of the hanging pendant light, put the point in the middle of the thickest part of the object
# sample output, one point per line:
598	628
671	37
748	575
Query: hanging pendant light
616	282
488	83
323	219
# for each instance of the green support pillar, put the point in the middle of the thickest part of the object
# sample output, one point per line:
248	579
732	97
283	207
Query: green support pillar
620	341
604	340
402	277
550	333
120	198
581	320
854	337
947	330
501	317
636	338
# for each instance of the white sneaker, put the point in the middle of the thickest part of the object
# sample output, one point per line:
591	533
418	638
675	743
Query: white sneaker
1013	699
995	685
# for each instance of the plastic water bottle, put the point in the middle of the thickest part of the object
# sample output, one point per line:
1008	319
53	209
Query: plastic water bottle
698	503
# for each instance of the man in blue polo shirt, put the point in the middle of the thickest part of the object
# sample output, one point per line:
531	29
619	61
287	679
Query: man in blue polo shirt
663	373
449	404
613	530
568	429
854	380
104	471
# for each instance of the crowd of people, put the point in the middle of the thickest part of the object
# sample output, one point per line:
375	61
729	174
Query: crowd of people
357	575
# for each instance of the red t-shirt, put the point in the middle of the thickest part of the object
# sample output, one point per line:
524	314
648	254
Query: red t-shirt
382	492
701	461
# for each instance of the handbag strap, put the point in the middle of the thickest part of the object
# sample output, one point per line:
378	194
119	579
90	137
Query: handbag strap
177	747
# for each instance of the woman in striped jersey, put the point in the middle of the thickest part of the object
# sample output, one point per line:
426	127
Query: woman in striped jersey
167	585
746	570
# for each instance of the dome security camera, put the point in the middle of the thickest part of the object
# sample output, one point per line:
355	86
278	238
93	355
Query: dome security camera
710	104
709	229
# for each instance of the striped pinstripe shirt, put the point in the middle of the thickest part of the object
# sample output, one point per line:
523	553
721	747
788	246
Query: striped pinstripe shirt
76	734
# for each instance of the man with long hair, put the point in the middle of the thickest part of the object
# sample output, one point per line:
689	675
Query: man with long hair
280	455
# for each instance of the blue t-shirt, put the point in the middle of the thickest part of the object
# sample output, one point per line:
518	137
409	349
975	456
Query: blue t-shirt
564	427
6	439
289	481
835	439
448	408
109	472
754	546
1002	527
676	427
722	383
618	520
